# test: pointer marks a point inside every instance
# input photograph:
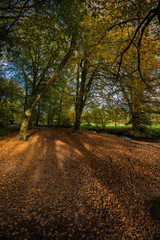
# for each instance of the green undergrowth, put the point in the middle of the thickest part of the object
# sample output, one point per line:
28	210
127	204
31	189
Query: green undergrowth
151	133
146	133
5	131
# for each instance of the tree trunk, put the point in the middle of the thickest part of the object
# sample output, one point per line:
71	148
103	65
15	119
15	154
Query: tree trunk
59	114
35	99
82	90
24	125
52	116
77	123
38	115
49	115
136	122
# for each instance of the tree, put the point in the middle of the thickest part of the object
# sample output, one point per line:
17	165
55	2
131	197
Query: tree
83	86
11	96
145	13
44	48
99	33
138	69
12	12
139	95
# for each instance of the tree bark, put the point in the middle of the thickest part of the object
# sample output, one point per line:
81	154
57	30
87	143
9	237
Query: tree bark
136	122
38	115
25	124
49	114
77	123
60	110
82	91
52	116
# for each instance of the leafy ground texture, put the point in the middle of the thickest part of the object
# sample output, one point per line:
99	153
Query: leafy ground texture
60	185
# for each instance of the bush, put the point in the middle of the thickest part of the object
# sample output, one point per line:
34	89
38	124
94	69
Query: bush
66	125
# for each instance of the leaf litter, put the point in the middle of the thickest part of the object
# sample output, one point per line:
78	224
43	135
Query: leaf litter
60	185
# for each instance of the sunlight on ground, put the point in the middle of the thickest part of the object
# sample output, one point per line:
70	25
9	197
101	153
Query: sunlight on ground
63	152
85	180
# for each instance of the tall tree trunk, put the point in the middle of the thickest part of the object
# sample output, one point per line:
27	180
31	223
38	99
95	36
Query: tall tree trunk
60	110
26	95
25	124
77	122
136	122
38	114
82	91
52	116
49	115
37	96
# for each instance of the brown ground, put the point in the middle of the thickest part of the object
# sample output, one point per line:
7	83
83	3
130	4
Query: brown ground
60	185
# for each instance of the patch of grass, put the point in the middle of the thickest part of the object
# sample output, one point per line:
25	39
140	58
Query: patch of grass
109	128
150	133
155	128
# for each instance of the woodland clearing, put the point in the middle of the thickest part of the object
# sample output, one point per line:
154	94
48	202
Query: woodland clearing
60	185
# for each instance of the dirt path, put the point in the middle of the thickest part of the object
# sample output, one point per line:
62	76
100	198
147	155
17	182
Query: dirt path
60	185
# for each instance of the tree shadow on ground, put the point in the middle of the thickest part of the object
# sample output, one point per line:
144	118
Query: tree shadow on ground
127	182
62	184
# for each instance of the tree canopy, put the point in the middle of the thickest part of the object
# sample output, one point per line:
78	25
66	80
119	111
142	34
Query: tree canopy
89	51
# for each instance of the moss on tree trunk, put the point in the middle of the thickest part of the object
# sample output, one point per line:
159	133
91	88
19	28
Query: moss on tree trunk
24	125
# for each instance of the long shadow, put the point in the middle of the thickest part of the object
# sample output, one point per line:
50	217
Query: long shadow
51	190
127	183
155	209
32	186
31	134
19	196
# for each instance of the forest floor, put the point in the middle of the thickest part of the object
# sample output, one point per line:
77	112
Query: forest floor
59	185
